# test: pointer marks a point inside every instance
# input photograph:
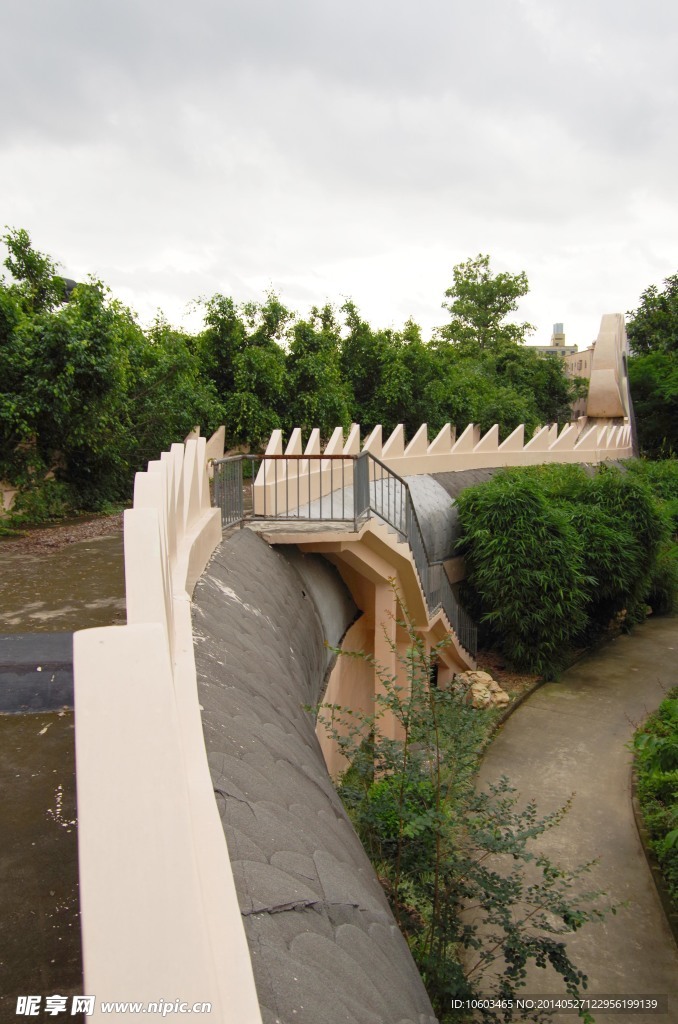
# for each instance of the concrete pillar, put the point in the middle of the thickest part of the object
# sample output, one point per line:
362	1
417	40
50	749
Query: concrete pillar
385	608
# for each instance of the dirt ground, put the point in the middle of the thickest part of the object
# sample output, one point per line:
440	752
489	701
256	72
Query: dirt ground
53	538
515	683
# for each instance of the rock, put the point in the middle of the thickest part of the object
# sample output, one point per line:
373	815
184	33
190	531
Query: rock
481	689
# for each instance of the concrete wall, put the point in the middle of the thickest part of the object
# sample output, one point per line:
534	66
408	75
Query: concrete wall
609	386
584	441
160	917
605	433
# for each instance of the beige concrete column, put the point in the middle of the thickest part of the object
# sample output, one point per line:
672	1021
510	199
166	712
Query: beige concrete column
386	662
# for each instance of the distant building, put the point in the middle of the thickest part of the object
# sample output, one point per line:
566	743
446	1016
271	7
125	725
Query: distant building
557	346
577	364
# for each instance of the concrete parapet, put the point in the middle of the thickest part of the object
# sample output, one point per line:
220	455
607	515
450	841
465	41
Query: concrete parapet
279	481
160	916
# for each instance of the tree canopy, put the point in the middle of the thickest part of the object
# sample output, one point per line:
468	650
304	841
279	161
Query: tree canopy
88	395
480	302
653	368
653	327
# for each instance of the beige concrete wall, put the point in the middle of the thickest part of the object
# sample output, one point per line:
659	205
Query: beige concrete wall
608	388
160	916
586	440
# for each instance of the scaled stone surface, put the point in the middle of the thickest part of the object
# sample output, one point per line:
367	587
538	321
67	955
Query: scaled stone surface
325	947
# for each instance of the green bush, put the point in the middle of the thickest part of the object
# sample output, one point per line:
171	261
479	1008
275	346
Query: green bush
656	749
554	554
525	572
44	501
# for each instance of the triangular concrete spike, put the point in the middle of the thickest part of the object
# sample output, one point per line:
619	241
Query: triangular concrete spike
373	442
565	442
442	443
490	441
192	488
587	440
168	463
313	446
553	432
201	472
419	443
194	434
395	446
295	444
216	444
515	442
275	443
540	442
352	446
336	442
467	441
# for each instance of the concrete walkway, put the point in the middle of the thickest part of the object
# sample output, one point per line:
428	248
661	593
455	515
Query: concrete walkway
570	737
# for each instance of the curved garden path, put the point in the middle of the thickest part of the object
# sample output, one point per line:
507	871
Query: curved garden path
570	737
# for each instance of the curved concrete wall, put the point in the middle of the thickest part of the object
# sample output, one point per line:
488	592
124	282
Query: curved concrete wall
159	912
608	394
325	947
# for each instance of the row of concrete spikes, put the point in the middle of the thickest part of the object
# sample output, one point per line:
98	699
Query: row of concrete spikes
582	435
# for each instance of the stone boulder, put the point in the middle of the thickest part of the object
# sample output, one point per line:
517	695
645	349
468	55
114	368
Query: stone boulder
481	690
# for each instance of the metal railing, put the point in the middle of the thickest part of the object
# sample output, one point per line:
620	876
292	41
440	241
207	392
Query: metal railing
336	488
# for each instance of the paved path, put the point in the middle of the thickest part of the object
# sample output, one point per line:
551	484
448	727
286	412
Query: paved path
570	737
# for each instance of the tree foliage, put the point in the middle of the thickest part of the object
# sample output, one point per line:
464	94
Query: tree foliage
653	327
653	368
480	302
87	395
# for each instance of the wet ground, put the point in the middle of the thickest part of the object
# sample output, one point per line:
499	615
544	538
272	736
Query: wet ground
75	587
50	581
39	918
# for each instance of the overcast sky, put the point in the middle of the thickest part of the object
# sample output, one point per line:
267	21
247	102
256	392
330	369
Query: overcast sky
333	149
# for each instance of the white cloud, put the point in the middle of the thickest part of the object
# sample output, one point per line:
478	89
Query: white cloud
354	149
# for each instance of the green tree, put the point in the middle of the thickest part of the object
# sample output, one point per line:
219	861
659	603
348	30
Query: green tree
86	396
242	353
653	379
653	327
318	394
479	303
166	392
653	368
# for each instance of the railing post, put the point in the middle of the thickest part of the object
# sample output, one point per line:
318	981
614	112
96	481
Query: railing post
361	487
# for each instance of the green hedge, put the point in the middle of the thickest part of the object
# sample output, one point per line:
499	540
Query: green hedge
656	748
555	554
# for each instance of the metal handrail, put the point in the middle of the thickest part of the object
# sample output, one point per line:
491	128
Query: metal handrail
376	488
